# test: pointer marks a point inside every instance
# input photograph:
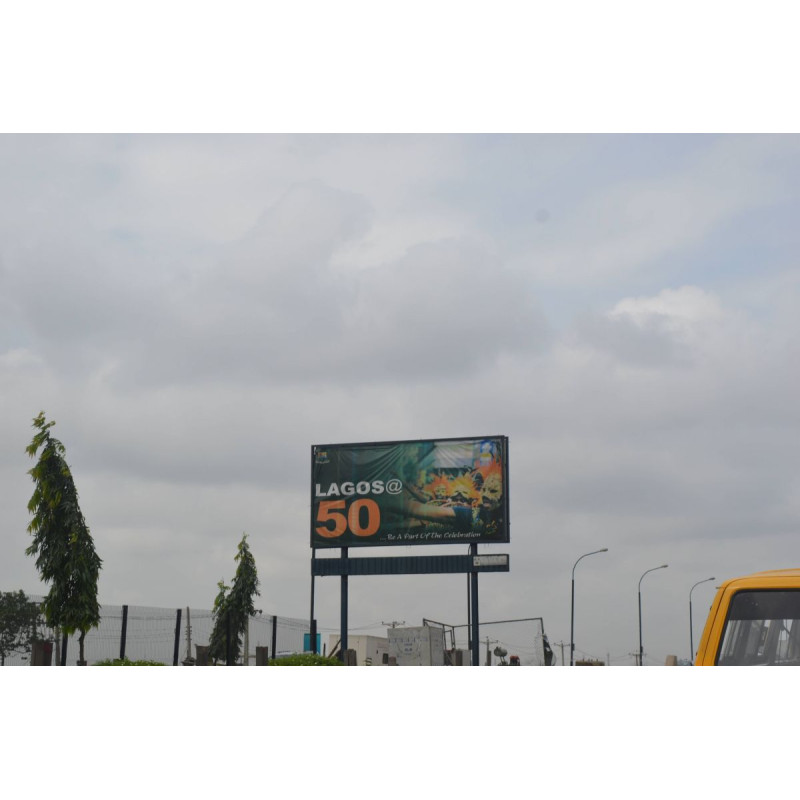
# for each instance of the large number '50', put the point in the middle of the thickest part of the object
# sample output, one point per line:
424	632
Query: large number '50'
334	511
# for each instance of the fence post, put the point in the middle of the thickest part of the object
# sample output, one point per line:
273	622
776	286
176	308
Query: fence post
312	638
124	635
41	653
64	651
177	638
262	656
274	635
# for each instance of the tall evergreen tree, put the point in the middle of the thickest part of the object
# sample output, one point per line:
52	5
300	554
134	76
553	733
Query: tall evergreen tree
218	641
62	544
234	607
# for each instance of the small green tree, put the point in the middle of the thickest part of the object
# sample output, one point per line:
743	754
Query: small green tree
62	544
233	607
18	619
217	643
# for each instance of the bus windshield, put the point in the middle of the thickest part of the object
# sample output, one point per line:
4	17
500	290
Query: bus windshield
763	628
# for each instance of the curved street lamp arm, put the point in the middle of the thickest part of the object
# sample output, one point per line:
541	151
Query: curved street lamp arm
705	580
594	552
663	566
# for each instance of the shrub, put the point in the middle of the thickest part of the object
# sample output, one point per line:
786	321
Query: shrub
305	660
126	662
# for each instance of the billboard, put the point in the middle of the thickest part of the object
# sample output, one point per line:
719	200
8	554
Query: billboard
443	491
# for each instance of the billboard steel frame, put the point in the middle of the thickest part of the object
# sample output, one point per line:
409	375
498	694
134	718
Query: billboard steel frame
344	566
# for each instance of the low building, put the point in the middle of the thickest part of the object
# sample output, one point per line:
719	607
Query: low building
417	647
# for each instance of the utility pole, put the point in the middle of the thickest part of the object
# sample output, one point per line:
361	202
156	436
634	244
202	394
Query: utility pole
393	624
488	653
188	637
562	645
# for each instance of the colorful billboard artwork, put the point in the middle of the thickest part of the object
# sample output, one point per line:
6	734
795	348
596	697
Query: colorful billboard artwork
444	491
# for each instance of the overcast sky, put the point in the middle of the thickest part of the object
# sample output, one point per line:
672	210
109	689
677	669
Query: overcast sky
195	312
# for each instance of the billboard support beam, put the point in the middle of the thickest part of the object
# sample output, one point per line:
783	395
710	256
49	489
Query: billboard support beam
469	612
474	584
410	565
311	619
471	564
344	606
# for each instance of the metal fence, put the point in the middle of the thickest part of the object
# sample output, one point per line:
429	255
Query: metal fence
518	641
159	634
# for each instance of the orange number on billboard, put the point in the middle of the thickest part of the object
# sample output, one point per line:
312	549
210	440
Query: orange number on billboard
326	513
333	511
373	517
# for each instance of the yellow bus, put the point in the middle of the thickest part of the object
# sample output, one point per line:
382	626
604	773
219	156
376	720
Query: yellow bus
754	621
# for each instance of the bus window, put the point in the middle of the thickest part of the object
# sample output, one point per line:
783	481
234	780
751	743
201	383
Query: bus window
762	628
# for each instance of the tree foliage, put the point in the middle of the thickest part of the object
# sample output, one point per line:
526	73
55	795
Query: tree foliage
234	606
19	617
62	544
218	641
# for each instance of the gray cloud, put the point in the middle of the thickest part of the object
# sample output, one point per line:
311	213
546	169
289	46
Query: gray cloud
649	345
195	312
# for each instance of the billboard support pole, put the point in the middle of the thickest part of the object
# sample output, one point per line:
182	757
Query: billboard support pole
311	626
473	548
469	613
343	646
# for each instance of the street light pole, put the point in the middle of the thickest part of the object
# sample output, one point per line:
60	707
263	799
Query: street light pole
641	649
572	608
691	629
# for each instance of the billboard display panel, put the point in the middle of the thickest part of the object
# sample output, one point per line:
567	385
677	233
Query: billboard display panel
443	491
